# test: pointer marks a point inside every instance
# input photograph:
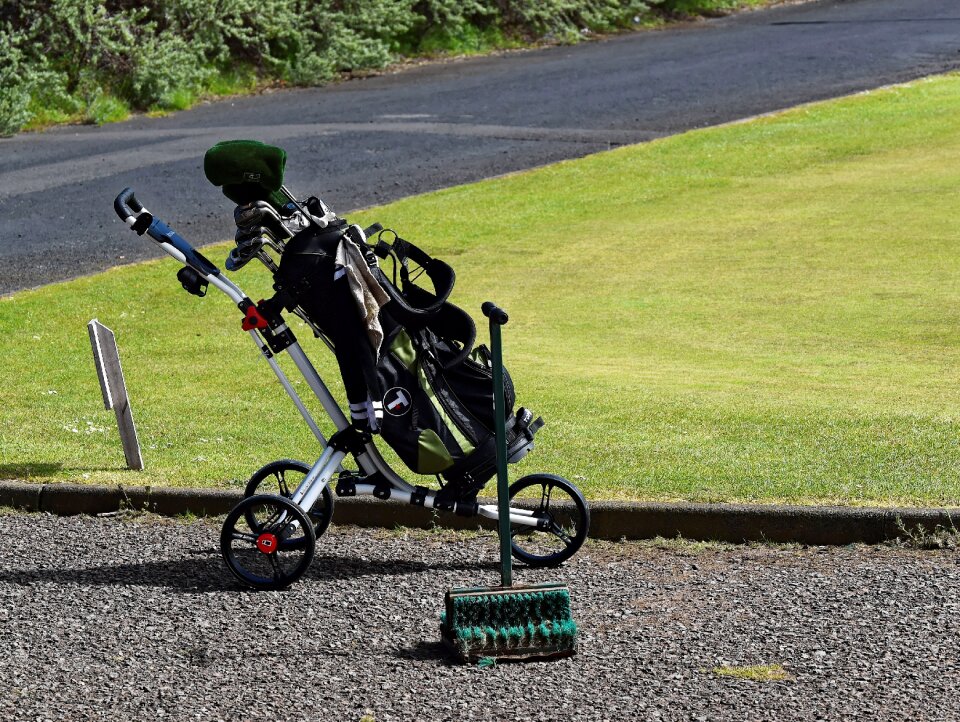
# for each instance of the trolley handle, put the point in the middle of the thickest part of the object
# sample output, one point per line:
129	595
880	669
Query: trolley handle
127	205
496	314
132	212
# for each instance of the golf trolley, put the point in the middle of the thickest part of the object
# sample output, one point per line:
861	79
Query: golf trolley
268	540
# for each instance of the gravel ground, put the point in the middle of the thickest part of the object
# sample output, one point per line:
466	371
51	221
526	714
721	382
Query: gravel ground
137	618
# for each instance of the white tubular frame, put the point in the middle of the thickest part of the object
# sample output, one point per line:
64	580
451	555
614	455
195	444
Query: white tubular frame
370	461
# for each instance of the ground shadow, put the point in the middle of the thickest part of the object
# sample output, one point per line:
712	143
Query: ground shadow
30	470
197	574
328	567
205	571
427	652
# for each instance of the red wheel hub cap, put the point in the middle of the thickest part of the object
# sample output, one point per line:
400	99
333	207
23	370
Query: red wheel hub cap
267	543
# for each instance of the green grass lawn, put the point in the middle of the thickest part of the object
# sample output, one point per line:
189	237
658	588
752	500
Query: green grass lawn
763	311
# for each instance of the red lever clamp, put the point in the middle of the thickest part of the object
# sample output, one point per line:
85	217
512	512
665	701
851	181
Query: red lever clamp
253	319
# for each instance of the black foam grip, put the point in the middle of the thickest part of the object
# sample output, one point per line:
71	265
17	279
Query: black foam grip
496	314
126	204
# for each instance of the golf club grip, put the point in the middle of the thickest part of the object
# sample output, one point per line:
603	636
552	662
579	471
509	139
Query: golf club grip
126	204
496	314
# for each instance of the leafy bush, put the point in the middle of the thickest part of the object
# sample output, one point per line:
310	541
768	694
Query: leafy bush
59	59
560	17
14	86
107	109
160	65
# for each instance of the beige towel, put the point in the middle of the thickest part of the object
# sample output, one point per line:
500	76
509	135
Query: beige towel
364	287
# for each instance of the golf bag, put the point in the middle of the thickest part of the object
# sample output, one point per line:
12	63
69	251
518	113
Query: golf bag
406	354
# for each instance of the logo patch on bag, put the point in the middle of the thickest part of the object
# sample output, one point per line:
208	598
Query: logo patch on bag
253	177
396	401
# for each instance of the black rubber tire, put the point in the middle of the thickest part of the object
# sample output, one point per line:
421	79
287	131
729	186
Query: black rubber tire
274	516
570	521
272	479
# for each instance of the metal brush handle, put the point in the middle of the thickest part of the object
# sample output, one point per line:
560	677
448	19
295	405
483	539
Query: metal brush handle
498	317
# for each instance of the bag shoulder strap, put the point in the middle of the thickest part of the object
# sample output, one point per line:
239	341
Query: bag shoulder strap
413	300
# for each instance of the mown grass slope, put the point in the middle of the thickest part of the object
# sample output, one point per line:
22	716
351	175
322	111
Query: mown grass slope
762	311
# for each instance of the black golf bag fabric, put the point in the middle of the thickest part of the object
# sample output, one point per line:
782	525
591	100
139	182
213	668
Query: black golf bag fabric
435	387
439	420
305	278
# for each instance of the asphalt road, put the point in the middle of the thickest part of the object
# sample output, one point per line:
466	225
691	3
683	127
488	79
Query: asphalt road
368	141
113	619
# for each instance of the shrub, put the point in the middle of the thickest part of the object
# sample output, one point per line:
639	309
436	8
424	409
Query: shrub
159	65
60	58
564	17
107	109
14	86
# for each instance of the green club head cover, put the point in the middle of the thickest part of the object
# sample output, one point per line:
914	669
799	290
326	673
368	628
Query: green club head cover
247	170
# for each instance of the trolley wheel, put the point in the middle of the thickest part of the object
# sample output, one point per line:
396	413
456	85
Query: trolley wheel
267	541
282	477
560	503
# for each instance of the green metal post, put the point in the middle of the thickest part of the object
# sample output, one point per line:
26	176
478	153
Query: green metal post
503	490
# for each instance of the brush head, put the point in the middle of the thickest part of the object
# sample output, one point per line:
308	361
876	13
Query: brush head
519	622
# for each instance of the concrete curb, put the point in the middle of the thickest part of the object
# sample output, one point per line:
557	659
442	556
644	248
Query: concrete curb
815	525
